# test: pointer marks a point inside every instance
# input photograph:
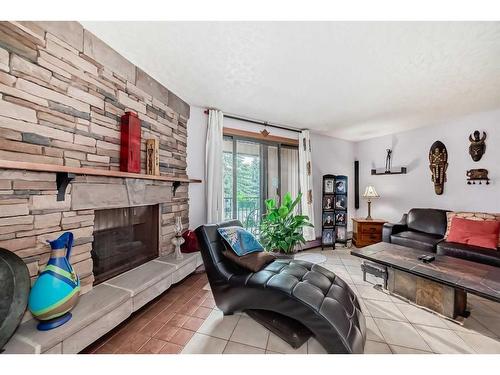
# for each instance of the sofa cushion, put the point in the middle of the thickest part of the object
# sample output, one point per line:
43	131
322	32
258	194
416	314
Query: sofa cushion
479	216
241	241
417	240
468	252
427	220
477	233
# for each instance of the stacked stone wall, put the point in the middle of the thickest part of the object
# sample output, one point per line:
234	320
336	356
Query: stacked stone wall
62	93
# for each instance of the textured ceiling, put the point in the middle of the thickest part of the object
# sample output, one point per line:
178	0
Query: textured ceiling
352	80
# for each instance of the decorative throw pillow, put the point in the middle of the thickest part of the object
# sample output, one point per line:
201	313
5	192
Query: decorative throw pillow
473	232
190	244
241	241
477	216
253	261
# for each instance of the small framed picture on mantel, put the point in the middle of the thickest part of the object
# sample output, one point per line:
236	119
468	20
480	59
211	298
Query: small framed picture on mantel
152	157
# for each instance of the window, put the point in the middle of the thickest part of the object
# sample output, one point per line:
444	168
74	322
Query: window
254	171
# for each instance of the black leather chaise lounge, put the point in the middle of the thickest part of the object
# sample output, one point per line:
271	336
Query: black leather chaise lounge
303	291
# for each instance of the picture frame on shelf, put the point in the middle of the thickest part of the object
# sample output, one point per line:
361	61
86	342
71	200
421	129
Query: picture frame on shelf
341	185
328	220
328	202
152	157
329	187
340	218
341	202
341	234
328	237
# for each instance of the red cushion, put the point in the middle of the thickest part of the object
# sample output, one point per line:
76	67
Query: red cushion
473	232
191	242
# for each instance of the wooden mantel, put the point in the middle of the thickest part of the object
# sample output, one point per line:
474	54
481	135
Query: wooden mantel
7	164
65	174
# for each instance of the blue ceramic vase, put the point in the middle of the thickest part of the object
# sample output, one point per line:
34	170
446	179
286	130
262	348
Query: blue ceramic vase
57	288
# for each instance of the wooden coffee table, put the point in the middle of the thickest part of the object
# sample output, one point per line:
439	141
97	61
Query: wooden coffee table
441	285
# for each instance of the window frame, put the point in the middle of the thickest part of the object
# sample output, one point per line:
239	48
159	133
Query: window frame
264	165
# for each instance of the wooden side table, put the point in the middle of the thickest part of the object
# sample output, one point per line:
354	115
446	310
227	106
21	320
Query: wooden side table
366	232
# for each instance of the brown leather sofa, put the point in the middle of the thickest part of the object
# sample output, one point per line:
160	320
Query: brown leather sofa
424	229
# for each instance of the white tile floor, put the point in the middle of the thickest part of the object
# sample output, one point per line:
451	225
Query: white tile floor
393	326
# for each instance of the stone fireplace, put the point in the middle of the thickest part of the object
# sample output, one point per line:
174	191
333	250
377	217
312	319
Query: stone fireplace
62	93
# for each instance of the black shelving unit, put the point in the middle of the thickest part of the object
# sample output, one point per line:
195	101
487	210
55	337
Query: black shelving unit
334	211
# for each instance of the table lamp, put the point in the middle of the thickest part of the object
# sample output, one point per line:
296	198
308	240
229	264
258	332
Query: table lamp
369	194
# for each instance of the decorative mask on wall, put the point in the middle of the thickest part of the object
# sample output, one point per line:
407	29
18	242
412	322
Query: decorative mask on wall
438	163
477	146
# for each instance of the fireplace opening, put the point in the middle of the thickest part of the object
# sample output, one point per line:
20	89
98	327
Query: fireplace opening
124	238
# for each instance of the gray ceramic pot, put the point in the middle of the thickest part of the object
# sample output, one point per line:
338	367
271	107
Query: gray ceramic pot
14	291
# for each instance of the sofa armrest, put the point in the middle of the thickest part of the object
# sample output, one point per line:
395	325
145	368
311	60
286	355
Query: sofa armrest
392	228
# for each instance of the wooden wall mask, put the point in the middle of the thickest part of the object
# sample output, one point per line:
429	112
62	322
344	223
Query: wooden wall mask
477	146
438	163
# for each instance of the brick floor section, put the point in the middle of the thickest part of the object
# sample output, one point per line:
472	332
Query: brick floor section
165	325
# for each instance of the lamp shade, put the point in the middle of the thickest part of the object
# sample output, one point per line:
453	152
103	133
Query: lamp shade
370	192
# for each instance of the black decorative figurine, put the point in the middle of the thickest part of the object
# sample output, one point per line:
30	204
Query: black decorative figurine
477	146
388	161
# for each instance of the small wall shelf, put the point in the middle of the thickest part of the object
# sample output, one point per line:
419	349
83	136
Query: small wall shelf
381	171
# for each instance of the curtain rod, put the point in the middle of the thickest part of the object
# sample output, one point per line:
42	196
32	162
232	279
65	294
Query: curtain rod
265	123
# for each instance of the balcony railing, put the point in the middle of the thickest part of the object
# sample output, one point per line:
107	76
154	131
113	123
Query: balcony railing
247	211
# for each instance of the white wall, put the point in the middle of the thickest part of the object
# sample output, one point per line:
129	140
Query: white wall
331	156
197	135
399	193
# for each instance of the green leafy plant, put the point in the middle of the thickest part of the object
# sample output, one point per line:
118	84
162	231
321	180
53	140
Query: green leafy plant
281	229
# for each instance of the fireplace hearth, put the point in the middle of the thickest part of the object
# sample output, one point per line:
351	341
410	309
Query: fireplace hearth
124	238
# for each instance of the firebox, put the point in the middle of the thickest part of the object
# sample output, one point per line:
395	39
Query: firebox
124	238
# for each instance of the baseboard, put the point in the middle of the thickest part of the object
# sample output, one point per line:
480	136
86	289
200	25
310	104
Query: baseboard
312	244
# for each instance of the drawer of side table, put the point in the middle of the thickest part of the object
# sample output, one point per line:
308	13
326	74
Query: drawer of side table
371	228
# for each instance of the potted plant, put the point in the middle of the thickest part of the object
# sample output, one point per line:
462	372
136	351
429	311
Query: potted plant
281	229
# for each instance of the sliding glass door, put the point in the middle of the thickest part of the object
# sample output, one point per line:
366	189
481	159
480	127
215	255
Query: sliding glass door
253	172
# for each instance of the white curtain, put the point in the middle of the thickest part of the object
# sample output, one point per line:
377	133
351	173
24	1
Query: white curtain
306	182
213	166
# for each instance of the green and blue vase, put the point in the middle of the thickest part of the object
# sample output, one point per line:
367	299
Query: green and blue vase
57	288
